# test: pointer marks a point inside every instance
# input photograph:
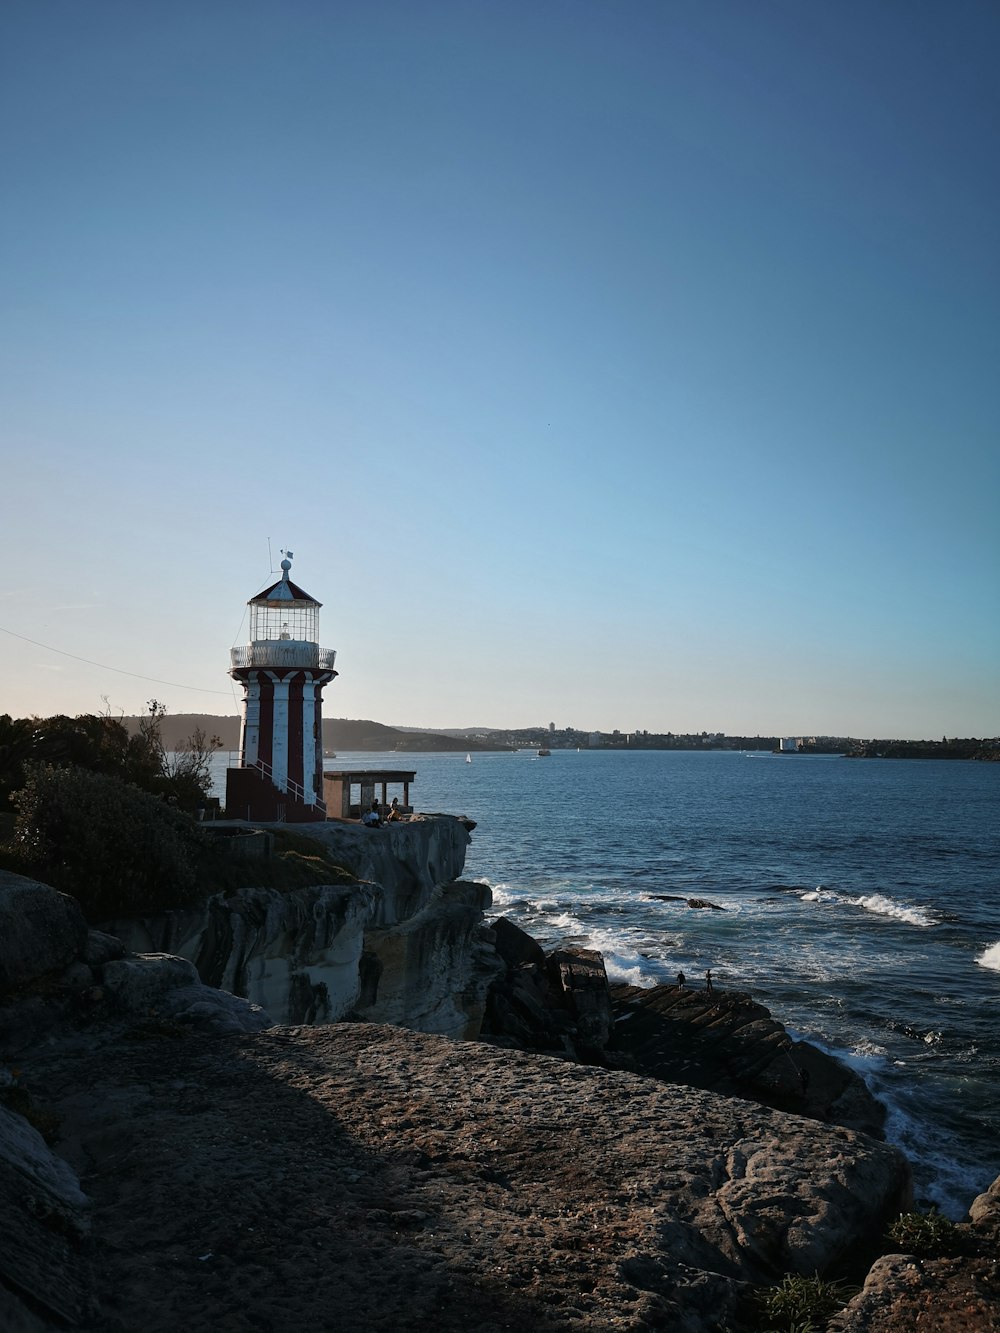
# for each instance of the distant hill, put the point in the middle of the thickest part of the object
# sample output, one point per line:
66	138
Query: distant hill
338	734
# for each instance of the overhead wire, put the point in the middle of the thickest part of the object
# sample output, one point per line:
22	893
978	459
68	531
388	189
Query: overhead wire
136	675
103	666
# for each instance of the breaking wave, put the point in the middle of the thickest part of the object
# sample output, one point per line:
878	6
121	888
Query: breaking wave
882	906
877	903
990	957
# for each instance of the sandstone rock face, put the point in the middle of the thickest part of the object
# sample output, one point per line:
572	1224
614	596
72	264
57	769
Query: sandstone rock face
41	930
408	1182
403	945
435	967
985	1208
295	954
407	861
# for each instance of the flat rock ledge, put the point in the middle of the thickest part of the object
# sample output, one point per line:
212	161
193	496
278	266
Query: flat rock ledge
373	1178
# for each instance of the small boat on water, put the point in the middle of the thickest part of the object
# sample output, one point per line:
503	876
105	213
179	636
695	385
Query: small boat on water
468	758
544	754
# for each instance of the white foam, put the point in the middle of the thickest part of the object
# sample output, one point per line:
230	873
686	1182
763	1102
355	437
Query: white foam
502	894
990	957
948	1183
868	1050
820	895
624	970
883	906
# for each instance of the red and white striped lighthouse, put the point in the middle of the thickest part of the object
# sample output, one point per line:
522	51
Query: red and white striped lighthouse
283	671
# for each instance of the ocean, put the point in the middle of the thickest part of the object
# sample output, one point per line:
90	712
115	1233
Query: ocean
861	904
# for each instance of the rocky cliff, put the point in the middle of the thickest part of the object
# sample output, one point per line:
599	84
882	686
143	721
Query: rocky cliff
402	944
170	1159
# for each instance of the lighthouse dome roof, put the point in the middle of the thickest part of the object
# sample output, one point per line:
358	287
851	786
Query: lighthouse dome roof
284	592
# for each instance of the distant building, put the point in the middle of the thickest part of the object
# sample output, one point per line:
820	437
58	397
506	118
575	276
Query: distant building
789	743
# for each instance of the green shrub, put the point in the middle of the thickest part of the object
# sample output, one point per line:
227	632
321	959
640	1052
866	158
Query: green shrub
296	862
926	1235
118	850
799	1304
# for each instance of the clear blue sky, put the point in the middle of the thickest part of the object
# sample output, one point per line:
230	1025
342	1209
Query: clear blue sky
612	364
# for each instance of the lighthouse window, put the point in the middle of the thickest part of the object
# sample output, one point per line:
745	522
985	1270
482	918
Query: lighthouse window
299	623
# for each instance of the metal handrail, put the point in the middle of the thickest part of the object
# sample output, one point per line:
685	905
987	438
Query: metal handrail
291	787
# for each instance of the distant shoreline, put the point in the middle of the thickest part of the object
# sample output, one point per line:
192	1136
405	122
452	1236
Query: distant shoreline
376	737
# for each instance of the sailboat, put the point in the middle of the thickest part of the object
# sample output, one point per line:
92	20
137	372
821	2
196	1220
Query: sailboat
468	758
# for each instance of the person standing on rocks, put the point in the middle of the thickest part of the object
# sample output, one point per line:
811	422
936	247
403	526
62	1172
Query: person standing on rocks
709	989
681	979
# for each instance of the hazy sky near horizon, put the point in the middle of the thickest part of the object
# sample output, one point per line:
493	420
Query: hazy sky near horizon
611	364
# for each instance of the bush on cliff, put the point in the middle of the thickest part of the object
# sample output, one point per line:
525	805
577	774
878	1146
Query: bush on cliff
118	850
926	1235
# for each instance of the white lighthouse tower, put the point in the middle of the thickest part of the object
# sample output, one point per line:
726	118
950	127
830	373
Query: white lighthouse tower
283	671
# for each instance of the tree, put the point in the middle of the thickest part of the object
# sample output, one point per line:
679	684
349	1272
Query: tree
118	850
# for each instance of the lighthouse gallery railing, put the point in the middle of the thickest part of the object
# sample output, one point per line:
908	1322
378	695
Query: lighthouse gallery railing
283	653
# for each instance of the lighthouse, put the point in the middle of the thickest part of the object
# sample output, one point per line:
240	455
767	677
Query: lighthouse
283	671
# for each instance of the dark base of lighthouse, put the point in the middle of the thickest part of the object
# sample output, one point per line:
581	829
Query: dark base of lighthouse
252	796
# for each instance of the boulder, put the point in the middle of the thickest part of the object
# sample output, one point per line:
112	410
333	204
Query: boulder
514	945
41	930
44	1215
985	1208
102	948
583	984
162	987
135	984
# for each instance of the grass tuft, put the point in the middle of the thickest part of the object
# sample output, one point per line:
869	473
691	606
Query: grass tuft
799	1304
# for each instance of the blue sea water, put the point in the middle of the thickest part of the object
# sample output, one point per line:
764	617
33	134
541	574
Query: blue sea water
862	905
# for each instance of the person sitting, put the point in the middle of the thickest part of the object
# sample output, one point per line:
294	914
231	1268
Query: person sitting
370	818
394	811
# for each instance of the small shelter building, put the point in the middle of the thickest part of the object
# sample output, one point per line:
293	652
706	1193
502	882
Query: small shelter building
348	793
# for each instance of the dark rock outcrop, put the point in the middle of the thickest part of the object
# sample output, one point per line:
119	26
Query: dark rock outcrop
562	1004
726	1042
70	990
557	1004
